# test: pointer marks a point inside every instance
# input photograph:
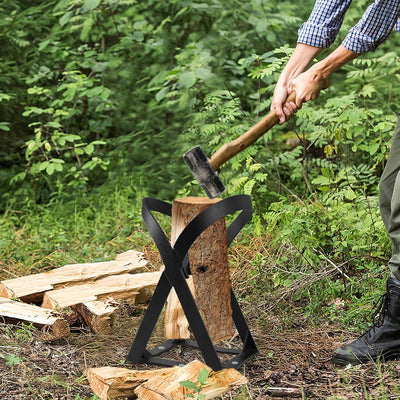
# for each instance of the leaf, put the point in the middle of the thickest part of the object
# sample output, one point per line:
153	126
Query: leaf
203	73
203	376
187	79
12	360
89	149
373	148
50	169
90	5
161	94
4	126
19	177
86	28
189	385
63	20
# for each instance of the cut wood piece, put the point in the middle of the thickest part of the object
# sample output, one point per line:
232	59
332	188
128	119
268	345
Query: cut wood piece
98	315
31	288
129	256
160	384
51	323
210	271
116	383
130	287
176	325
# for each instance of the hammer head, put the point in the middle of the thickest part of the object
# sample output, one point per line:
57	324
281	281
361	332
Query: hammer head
204	172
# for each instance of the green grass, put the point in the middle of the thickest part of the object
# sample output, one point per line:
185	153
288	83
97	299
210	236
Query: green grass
70	230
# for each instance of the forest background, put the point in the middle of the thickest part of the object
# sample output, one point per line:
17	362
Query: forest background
99	99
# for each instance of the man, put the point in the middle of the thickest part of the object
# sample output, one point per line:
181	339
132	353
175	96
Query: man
382	339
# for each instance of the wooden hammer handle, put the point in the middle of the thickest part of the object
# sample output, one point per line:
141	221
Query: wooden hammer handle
228	150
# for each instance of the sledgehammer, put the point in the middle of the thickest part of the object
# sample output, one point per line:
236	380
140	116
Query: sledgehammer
205	170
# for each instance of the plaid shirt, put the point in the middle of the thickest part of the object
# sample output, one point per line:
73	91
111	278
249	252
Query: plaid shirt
373	28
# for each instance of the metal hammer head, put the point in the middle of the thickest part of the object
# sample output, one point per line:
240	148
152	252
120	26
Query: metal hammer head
204	172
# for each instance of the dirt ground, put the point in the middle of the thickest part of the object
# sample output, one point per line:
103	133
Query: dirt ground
292	354
298	358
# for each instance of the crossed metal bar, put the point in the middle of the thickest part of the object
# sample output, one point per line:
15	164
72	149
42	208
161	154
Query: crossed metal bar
176	261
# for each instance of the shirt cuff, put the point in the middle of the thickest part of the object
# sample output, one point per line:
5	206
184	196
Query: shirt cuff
315	35
360	42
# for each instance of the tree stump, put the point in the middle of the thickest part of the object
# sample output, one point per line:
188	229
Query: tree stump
210	280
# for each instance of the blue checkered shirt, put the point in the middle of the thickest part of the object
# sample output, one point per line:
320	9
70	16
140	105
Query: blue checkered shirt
374	27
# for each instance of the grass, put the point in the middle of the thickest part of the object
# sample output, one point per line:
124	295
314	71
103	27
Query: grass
297	310
85	228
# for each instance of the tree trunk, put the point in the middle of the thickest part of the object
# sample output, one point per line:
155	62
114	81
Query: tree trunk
211	284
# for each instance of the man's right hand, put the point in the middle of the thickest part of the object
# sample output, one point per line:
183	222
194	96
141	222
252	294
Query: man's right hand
307	86
284	110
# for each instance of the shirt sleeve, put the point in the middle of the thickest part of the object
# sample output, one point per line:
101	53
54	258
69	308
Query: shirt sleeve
324	23
374	27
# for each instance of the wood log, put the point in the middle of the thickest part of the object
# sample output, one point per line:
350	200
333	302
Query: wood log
98	315
51	323
160	384
210	273
31	288
130	287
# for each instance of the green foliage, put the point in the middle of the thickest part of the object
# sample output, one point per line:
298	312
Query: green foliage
91	89
12	360
196	388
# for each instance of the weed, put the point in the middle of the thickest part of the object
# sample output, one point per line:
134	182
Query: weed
12	360
196	387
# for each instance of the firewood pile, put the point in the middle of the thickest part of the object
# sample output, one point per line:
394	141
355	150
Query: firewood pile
92	292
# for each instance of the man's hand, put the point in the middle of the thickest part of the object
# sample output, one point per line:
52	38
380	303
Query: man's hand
302	55
283	109
307	84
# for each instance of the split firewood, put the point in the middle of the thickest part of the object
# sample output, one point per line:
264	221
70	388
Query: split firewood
133	288
115	383
158	388
51	323
209	282
98	315
160	384
31	288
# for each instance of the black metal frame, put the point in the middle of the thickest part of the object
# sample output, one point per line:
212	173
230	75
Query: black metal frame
176	271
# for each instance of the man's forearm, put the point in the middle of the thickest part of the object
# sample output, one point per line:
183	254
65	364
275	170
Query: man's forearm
302	56
339	57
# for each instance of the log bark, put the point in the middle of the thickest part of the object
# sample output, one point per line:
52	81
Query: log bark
130	287
160	384
209	267
52	324
31	288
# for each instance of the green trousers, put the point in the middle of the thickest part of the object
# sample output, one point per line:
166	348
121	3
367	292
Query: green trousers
389	201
